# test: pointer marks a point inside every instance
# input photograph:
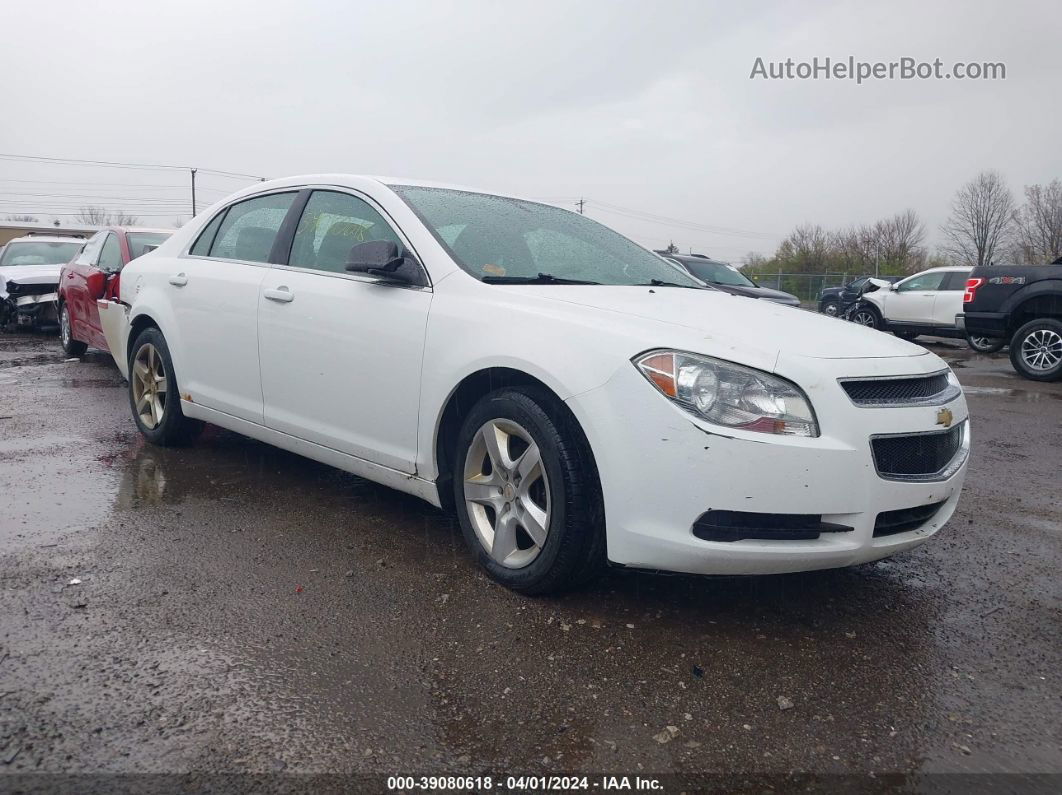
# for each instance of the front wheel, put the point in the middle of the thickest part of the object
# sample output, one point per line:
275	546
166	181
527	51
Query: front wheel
527	493
831	308
71	346
983	344
153	394
1036	350
866	316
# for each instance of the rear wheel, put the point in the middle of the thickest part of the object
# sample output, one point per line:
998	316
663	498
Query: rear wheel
830	307
153	394
1036	350
983	344
866	316
71	346
906	335
527	493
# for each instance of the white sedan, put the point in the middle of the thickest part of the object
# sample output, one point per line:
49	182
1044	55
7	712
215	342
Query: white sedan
575	398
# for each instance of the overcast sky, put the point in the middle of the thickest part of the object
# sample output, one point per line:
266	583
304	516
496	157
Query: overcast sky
642	106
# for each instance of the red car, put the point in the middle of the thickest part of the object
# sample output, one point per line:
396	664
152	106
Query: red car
93	275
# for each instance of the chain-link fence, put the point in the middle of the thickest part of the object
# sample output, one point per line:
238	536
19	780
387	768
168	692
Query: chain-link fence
805	286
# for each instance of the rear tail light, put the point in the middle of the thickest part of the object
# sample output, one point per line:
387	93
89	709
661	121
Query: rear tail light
971	288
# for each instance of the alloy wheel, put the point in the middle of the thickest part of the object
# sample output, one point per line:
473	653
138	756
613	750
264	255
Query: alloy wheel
64	327
1042	350
830	309
863	318
149	385
507	493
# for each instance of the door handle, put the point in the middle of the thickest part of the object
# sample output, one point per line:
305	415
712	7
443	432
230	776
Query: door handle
281	295
178	280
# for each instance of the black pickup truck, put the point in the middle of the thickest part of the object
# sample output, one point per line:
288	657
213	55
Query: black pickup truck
1022	304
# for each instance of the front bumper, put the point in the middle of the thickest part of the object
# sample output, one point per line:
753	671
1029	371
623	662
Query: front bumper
661	469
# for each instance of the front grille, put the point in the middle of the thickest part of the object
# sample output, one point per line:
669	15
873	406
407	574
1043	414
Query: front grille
746	525
906	391
889	523
14	289
917	456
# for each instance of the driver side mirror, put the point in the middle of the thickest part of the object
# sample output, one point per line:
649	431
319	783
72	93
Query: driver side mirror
380	258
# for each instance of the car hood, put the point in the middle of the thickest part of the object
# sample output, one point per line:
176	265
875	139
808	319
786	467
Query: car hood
31	274
721	324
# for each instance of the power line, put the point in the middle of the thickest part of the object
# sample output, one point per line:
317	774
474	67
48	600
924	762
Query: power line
680	223
116	164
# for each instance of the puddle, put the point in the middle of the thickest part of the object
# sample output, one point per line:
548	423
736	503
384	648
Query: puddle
1017	394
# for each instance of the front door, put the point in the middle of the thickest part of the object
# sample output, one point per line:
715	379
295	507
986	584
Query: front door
912	300
341	354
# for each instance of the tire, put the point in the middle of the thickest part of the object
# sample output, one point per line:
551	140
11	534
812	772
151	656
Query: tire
1036	350
866	315
830	307
150	355
560	499
985	344
71	346
906	335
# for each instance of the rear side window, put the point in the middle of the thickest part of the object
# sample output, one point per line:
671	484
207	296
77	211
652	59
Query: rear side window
955	280
206	237
249	228
331	225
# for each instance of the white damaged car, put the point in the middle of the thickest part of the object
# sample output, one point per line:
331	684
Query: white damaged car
29	278
573	397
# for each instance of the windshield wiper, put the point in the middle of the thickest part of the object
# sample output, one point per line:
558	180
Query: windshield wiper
661	283
542	278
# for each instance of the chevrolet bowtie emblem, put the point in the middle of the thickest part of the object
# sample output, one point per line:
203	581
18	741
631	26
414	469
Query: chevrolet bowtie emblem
944	417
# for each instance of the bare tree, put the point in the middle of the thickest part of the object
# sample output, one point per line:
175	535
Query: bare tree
981	221
899	240
101	216
1039	224
22	218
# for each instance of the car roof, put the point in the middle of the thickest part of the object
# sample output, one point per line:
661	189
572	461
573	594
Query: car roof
46	239
362	180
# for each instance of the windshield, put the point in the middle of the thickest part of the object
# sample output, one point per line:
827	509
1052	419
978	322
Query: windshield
140	243
39	252
492	237
716	273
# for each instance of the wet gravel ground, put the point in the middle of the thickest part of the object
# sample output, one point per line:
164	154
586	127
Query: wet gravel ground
235	608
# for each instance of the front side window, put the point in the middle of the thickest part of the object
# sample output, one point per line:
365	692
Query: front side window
111	255
90	254
331	225
39	252
250	227
496	237
925	281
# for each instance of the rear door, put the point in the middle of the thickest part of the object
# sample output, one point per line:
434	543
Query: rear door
214	291
948	302
914	298
341	354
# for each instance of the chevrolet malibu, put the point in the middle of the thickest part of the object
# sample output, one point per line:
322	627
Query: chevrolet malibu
573	397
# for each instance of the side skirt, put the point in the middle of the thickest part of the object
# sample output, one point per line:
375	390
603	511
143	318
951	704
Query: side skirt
385	476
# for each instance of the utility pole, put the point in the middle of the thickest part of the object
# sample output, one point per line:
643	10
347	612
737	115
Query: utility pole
580	204
193	191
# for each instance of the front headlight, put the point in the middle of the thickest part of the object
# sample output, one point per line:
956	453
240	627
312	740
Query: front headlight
729	394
